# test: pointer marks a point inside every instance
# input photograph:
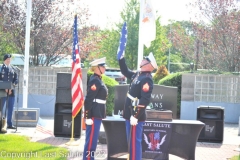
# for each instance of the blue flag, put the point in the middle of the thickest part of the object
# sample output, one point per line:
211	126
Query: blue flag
122	42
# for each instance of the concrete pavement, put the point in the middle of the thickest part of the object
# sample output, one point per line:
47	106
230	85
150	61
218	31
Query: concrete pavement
204	150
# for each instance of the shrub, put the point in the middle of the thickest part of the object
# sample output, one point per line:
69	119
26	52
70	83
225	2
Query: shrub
176	81
160	73
110	84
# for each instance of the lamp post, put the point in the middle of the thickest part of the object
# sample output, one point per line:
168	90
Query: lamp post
169	60
169	53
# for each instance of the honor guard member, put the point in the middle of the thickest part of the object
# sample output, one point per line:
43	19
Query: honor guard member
94	107
138	97
9	74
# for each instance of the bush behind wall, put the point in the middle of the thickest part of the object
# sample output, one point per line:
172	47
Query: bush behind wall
110	84
174	80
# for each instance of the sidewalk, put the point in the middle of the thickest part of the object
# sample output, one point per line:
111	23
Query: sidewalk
204	150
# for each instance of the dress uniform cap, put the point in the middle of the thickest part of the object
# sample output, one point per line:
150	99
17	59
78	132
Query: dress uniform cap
99	62
152	60
6	56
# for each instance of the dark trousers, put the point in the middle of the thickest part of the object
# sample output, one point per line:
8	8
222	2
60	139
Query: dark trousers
92	132
9	108
135	139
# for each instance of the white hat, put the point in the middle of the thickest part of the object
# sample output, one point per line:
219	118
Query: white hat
152	60
99	62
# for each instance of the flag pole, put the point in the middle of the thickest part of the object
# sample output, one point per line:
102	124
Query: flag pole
140	42
147	27
72	142
26	57
71	139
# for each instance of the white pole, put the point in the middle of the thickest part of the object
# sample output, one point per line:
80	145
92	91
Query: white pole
140	43
26	59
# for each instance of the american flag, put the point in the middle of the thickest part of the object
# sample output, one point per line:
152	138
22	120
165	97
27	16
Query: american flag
41	127
122	42
77	89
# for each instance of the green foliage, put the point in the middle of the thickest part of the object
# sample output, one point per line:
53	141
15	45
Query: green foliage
182	47
176	81
109	46
110	84
235	157
160	45
5	45
177	63
20	144
130	15
160	73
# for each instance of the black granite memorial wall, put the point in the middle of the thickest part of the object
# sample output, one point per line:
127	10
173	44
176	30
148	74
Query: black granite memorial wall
162	98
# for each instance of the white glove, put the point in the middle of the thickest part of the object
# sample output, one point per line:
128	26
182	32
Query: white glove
89	121
133	121
135	103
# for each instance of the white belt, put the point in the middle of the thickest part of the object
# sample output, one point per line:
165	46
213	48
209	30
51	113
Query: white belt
135	101
100	101
131	97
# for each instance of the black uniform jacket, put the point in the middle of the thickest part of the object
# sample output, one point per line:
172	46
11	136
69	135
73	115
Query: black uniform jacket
10	75
141	86
96	89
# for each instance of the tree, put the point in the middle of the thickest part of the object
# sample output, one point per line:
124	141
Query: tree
51	27
182	39
160	74
5	45
90	39
160	45
130	15
109	46
217	34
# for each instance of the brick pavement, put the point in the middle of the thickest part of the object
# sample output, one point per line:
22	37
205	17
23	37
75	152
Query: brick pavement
204	150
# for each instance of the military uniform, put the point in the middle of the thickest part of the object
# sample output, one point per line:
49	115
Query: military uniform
140	87
94	109
138	97
9	74
96	92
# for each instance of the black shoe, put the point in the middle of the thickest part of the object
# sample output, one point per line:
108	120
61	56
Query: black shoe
11	127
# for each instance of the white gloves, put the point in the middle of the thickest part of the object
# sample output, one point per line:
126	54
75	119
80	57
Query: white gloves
133	121
89	121
135	103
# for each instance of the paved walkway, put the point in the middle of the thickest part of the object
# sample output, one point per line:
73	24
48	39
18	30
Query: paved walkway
204	151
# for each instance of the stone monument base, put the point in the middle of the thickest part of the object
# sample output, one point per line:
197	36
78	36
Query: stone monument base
26	117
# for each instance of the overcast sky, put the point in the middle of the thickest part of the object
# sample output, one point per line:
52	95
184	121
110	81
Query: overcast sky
104	12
